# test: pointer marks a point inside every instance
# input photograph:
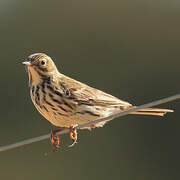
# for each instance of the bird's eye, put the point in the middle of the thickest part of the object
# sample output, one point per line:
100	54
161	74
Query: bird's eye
43	62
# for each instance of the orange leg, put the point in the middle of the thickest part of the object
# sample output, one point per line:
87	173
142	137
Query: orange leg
55	140
73	135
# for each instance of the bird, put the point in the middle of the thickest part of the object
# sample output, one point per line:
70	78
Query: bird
66	102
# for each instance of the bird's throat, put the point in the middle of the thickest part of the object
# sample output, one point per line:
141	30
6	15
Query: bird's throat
34	77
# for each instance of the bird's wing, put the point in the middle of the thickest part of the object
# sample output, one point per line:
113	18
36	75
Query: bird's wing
85	94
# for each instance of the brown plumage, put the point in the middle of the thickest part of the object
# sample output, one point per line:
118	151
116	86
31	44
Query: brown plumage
66	102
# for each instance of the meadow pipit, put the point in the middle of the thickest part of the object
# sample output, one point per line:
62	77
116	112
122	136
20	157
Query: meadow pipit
66	102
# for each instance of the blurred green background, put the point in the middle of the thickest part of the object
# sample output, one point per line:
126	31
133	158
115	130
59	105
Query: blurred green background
129	48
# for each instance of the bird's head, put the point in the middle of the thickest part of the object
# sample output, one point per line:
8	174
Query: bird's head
39	67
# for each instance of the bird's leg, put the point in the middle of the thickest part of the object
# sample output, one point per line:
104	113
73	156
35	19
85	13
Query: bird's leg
73	135
55	140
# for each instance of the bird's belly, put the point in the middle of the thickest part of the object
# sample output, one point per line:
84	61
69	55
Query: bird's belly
68	120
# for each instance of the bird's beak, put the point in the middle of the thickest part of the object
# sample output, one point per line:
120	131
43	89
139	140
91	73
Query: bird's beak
26	63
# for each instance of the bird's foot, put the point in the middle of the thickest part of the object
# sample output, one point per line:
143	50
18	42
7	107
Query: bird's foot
54	139
73	135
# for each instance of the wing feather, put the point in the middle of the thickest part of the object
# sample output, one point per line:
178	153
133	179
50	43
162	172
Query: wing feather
83	93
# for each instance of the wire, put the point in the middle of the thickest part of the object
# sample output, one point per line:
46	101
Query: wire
119	114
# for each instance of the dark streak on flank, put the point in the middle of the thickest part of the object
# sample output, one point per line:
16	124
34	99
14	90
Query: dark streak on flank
60	103
48	103
56	101
54	109
54	113
51	96
53	99
65	103
63	108
88	112
45	108
62	114
80	102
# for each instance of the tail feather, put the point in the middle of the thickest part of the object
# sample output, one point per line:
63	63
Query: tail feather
153	111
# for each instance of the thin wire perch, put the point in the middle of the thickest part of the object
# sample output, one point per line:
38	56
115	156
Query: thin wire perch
119	114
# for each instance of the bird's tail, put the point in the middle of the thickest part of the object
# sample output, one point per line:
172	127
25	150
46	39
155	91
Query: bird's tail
153	111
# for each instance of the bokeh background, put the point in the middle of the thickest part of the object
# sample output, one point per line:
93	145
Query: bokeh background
129	48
